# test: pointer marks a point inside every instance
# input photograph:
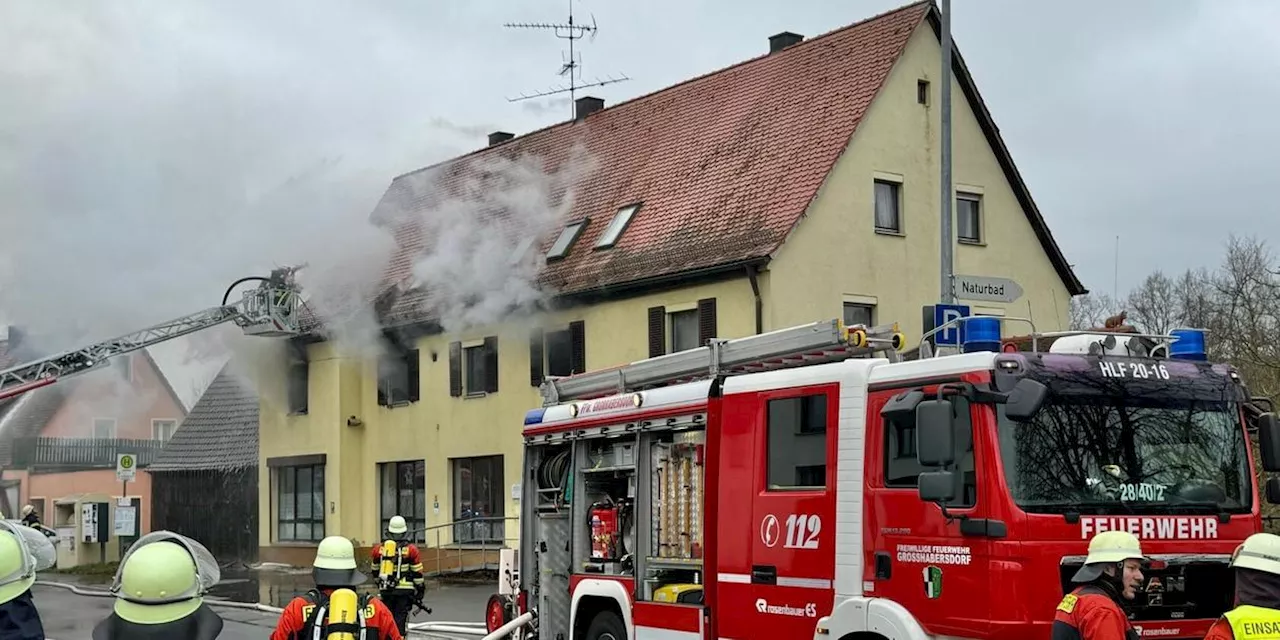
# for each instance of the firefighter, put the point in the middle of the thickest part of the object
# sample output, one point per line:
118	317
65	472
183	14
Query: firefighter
1110	576
159	590
400	579
23	552
32	519
1257	612
335	574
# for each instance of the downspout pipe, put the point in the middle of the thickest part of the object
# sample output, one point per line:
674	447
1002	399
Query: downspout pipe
753	276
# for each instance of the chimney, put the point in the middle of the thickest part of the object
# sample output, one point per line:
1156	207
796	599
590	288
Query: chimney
783	40
586	106
498	137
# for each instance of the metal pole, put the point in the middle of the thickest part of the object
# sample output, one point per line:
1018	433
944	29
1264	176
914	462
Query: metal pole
948	292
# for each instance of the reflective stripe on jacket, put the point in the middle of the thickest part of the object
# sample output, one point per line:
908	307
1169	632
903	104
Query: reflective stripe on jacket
1253	623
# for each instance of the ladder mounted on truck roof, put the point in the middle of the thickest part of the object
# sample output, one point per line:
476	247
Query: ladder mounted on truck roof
814	343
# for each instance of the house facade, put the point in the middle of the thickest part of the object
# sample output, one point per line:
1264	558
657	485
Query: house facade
58	444
797	186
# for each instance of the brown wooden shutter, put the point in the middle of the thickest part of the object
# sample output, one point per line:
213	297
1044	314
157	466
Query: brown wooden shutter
491	364
414	378
578	346
657	331
706	320
536	356
455	369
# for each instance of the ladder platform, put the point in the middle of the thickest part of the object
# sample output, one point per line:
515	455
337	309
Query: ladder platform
817	342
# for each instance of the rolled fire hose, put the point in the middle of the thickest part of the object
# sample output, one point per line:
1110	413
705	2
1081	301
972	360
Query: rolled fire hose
427	629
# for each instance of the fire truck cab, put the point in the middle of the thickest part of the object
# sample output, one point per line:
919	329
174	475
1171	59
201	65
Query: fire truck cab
814	484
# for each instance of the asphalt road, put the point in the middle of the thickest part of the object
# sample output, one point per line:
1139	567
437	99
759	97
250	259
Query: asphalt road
68	616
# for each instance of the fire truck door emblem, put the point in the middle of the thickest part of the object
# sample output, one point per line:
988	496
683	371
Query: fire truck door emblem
769	530
932	582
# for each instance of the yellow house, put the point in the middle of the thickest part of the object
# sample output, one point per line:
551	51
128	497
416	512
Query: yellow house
796	186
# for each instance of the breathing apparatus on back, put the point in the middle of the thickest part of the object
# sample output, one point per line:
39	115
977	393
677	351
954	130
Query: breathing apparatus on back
344	612
389	569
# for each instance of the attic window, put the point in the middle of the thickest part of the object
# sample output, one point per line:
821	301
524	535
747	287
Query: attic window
922	92
617	226
561	247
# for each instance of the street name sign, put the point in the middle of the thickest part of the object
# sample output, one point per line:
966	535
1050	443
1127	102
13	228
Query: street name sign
986	289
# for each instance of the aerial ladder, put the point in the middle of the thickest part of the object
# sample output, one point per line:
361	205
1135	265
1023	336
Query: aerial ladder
270	310
813	343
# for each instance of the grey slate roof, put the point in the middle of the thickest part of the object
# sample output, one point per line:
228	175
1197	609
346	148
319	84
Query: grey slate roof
30	413
220	432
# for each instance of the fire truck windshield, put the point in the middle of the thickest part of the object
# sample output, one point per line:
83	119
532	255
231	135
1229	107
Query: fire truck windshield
1113	446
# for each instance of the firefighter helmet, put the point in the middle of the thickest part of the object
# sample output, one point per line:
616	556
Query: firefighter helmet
163	578
23	552
335	564
1108	547
397	525
1260	552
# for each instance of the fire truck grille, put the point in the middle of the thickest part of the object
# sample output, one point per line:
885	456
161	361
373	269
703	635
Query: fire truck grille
1195	589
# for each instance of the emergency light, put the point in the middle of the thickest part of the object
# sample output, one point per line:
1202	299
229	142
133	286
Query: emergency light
981	333
1188	344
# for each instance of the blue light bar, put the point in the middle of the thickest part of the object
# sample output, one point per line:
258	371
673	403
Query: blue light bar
981	334
534	416
1188	344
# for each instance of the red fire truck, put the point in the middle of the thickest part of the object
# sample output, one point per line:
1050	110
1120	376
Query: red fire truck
813	482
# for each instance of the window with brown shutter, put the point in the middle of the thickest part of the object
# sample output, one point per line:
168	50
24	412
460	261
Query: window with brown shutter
578	345
455	369
491	364
706	320
657	331
535	357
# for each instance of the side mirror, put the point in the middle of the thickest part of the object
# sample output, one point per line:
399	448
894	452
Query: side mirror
1269	441
902	405
940	486
1025	400
1273	490
935	438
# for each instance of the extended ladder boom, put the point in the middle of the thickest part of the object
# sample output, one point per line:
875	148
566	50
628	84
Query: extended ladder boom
270	310
826	341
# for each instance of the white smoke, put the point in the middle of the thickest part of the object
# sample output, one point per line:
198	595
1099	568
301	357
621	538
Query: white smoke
480	262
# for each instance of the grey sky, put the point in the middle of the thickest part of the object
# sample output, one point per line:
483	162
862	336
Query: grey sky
147	148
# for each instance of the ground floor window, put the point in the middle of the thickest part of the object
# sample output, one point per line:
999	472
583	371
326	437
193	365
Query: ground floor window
300	503
477	497
403	492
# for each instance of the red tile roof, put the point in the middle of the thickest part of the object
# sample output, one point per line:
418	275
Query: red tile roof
725	164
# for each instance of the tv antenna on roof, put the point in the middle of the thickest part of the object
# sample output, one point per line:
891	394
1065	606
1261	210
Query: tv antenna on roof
572	67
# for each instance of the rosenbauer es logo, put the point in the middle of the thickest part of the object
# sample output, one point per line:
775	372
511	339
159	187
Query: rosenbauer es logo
807	611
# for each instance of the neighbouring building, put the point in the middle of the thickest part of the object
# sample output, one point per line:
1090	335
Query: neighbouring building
59	443
204	481
797	186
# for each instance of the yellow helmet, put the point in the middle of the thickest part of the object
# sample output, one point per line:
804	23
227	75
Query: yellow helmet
163	577
1108	547
335	564
397	525
23	552
1260	552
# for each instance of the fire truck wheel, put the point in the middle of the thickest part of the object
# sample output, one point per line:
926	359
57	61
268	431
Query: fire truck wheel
607	626
496	613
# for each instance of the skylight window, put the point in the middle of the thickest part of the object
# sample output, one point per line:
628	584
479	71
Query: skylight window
617	226
561	247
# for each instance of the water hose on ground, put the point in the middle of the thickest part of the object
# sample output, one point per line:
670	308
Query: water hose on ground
467	628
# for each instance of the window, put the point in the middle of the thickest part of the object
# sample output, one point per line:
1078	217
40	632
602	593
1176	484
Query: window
902	470
559	353
104	427
299	380
888	206
863	314
473	370
162	430
478	495
968	218
922	92
684	330
398	379
124	366
404	493
797	451
616	226
300	503
560	248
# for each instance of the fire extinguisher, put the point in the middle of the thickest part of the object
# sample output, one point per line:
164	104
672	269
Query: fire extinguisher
606	521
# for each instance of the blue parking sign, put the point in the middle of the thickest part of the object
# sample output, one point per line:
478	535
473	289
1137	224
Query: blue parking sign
952	336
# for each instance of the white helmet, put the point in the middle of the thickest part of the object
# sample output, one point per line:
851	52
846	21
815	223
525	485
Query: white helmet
397	525
1108	547
1260	552
335	564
